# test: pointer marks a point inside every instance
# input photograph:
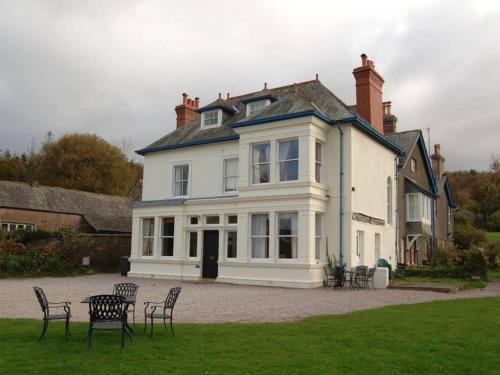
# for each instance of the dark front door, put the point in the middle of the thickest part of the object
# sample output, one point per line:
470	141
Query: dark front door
210	253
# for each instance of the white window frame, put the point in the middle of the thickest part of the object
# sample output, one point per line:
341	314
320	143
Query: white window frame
226	253
227	220
279	161
252	236
418	215
225	177
194	216
17	226
188	187
188	242
413	164
291	236
206	220
318	237
318	164
249	107
162	236
209	114
143	237
252	164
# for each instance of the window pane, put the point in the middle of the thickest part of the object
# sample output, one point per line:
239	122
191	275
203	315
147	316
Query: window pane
287	224
260	153
167	246
147	246
318	172
260	225
231	244
287	247
148	226
260	247
232	219
193	243
289	170
318	152
261	173
288	149
167	226
212	219
194	220
317	247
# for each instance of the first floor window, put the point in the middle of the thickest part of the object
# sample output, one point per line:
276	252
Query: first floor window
193	244
148	233
167	236
287	235
377	246
232	239
413	207
288	153
231	174
318	236
260	236
180	180
261	163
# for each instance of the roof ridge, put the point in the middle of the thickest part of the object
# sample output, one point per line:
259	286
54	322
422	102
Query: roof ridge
273	88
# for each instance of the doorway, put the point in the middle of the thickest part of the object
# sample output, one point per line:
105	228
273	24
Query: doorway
210	254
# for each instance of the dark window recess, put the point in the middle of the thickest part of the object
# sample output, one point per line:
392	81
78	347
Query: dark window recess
212	219
232	239
193	244
232	219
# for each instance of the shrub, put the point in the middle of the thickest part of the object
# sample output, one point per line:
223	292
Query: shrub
445	256
493	223
466	235
453	272
492	253
24	236
10	246
17	264
475	261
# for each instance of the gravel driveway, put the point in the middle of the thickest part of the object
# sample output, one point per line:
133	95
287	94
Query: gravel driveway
213	302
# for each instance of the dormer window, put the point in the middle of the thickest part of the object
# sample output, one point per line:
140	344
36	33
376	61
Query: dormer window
256	106
211	119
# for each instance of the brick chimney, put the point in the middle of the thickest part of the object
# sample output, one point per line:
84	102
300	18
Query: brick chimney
186	112
369	93
389	119
438	162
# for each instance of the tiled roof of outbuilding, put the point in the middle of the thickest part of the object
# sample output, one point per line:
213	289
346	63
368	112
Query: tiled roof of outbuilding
105	213
406	140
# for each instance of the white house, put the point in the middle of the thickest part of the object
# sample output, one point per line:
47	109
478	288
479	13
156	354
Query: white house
258	188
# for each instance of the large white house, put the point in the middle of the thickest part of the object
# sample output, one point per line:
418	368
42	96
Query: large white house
259	188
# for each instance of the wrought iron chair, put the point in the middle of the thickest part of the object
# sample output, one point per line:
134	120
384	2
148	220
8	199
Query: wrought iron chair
338	277
108	312
168	304
369	277
47	316
127	290
360	275
329	276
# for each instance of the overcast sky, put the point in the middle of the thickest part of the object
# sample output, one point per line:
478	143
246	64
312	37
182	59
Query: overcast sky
118	68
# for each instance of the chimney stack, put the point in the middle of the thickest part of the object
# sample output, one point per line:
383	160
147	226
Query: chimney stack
389	119
369	93
186	112
438	162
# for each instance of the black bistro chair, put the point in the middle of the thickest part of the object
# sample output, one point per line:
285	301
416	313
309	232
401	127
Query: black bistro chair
360	276
127	290
108	312
48	316
369	277
166	312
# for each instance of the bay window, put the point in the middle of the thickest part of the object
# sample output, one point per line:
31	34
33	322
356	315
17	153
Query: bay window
167	236
418	208
287	235
261	162
318	162
318	239
260	235
288	155
148	233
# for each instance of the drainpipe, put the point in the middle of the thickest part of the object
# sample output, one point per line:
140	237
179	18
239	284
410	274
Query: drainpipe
341	195
396	218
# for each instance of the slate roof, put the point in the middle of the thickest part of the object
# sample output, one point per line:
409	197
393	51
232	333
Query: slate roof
105	213
305	96
406	140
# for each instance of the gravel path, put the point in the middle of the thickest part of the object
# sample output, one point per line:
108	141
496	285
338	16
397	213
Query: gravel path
213	302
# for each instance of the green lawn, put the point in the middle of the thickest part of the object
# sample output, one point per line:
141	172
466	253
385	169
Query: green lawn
493	236
446	337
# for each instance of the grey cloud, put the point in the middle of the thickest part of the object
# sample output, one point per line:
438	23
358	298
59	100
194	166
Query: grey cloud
117	68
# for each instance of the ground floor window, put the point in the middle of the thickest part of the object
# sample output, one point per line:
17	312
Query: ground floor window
8	227
260	236
231	241
193	244
287	235
167	236
148	232
318	239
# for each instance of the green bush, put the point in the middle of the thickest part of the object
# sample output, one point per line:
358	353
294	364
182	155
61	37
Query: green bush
475	261
492	253
17	264
452	272
467	235
24	235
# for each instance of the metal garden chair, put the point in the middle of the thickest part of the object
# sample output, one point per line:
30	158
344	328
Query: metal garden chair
360	276
48	316
127	290
108	312
166	312
369	277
